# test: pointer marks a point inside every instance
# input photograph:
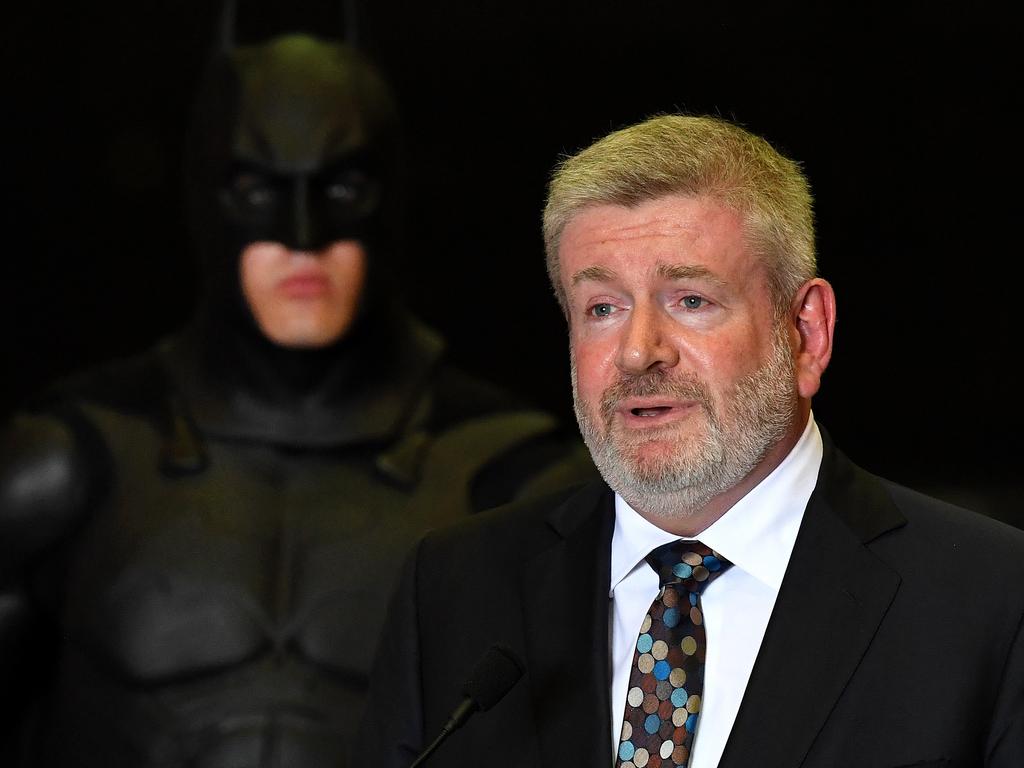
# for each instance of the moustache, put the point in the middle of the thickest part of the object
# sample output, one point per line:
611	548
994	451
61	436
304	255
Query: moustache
654	385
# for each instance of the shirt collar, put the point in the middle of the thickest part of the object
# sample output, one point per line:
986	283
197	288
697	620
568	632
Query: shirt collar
756	534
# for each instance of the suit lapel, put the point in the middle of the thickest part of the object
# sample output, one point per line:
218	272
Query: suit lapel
832	600
565	610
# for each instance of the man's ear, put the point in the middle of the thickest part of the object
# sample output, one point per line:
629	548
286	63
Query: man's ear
813	313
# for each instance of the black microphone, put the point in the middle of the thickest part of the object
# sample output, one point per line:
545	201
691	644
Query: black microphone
493	676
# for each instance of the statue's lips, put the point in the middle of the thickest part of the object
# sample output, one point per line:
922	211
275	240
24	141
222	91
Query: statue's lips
644	412
305	286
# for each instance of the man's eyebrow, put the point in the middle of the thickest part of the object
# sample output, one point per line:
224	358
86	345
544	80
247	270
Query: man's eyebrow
688	272
595	273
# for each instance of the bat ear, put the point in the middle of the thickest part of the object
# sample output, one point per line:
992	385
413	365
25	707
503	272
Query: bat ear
226	32
351	34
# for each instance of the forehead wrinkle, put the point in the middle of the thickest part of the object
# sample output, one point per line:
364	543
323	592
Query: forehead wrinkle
653	227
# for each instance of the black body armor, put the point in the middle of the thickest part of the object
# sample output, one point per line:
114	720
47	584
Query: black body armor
197	545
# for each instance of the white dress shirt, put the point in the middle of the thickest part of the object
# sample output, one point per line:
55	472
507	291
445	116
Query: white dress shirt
757	535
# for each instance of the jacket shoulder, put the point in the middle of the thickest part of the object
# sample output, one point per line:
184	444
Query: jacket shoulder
518	529
944	526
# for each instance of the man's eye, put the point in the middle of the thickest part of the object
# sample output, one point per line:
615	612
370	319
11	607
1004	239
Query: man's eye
602	310
341	192
253	190
347	187
692	302
260	197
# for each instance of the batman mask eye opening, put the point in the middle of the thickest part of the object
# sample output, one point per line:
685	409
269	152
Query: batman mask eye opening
252	191
350	194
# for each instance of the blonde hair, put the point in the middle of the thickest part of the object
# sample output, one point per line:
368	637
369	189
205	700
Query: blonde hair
696	157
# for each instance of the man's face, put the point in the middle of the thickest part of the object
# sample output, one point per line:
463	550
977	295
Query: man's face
683	380
303	299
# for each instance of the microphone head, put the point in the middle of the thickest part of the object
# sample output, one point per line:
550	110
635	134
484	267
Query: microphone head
493	676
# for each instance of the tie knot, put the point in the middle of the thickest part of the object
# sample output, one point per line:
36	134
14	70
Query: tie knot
688	564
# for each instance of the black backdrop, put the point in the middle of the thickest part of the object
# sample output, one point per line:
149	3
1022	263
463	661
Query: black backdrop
905	119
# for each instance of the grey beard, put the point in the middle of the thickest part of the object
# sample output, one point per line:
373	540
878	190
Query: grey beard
756	416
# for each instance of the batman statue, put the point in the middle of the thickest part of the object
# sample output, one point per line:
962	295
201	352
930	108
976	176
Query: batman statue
197	544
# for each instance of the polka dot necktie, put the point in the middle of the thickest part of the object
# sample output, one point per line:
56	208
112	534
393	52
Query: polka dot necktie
666	680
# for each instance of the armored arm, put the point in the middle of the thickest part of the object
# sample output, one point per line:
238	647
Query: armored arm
46	481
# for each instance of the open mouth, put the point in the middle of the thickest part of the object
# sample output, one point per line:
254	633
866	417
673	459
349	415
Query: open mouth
656	410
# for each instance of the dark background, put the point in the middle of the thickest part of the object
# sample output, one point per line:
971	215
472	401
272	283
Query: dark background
906	120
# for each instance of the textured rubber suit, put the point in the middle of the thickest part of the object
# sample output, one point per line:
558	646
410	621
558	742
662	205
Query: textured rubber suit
197	544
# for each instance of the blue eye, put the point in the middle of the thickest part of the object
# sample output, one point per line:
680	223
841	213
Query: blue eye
692	302
602	310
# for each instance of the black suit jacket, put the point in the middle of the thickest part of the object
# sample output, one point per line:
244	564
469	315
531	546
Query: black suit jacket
896	639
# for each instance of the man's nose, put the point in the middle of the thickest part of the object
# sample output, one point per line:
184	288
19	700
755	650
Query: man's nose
302	225
646	343
305	230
